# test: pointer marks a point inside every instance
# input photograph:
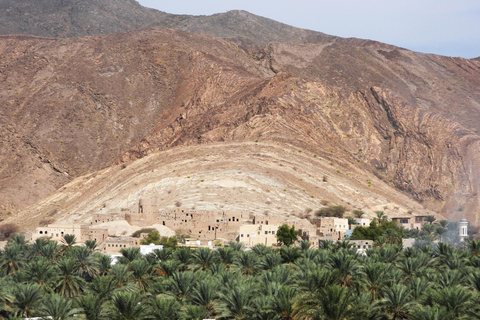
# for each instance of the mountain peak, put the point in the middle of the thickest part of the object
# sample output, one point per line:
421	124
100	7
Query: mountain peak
60	18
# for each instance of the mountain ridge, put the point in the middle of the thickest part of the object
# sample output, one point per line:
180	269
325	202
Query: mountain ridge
60	18
74	106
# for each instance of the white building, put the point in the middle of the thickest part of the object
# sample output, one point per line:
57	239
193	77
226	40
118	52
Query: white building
463	229
364	222
146	249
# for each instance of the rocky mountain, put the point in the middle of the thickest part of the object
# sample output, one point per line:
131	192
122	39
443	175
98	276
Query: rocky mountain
75	18
274	125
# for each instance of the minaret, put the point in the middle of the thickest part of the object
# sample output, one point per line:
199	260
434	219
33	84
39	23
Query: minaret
462	229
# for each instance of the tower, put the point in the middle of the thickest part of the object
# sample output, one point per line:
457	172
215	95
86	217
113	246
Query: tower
463	229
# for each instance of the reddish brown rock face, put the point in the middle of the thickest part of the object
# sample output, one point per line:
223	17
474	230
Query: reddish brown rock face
77	105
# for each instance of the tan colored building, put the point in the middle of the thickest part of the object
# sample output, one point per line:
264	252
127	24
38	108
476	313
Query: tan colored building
330	228
97	234
98	218
251	234
362	244
82	233
267	219
312	237
204	224
113	245
57	231
415	222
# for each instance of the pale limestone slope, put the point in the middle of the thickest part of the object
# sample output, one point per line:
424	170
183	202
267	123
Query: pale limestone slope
279	179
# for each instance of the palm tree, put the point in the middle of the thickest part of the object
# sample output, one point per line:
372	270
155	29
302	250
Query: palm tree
129	254
457	260
182	284
310	254
387	253
87	264
343	244
374	277
91	306
127	306
314	281
457	299
418	287
439	232
474	247
332	303
204	295
397	303
236	302
246	262
261	250
289	254
190	312
68	283
326	244
282	276
304	265
358	213
261	309
322	257
443	223
474	280
165	308
347	267
449	278
58	308
12	259
183	255
270	261
381	216
283	304
120	274
104	264
50	251
91	244
429	228
28	298
203	258
18	239
430	313
430	219
6	300
412	266
305	245
226	255
141	274
102	287
69	240
237	246
164	254
42	272
443	251
169	267
34	248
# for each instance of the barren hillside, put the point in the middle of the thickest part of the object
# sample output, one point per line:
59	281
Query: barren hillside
74	106
257	177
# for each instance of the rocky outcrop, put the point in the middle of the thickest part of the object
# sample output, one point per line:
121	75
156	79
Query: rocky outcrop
78	105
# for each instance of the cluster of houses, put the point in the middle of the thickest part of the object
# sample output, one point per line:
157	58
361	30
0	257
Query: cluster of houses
210	228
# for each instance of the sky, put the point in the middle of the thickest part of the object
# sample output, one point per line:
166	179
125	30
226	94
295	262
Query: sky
444	27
